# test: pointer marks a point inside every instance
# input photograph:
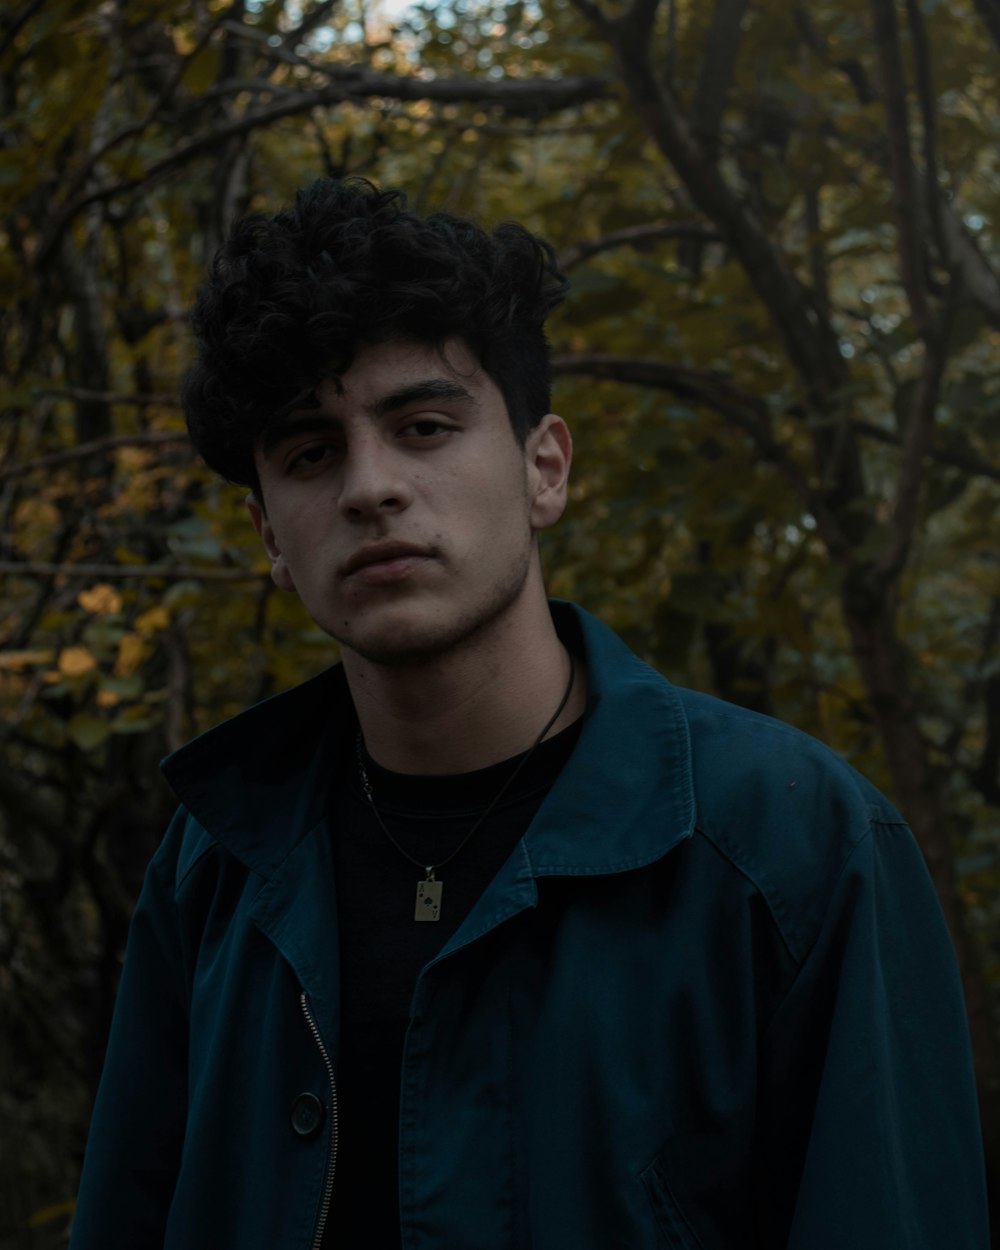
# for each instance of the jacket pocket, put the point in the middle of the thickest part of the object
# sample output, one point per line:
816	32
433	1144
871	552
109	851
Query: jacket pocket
670	1219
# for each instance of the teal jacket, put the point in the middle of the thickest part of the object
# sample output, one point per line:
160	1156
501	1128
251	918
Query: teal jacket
709	1003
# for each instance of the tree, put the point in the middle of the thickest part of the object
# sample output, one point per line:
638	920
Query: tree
939	287
777	356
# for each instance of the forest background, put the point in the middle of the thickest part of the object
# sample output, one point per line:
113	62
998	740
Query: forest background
778	358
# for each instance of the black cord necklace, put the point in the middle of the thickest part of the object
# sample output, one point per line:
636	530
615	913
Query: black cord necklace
429	890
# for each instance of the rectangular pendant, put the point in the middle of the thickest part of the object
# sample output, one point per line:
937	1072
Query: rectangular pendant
428	900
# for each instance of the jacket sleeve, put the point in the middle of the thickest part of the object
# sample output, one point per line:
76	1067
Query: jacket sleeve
871	1123
137	1129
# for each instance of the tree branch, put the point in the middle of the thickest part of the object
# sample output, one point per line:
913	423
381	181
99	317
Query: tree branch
928	117
900	160
310	21
135	130
718	65
810	340
969	265
963	257
514	95
812	345
972	464
717	392
637	237
641	18
916	444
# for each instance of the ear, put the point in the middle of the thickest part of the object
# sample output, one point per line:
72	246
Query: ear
549	454
280	572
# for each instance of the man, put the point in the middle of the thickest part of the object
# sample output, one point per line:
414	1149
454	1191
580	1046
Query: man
489	938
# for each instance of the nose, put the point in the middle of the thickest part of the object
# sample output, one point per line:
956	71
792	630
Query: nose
373	481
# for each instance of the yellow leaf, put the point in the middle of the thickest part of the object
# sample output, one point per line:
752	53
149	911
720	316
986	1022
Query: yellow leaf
75	660
108	698
155	619
131	650
102	599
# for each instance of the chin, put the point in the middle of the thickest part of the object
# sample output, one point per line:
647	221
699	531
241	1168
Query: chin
402	636
403	644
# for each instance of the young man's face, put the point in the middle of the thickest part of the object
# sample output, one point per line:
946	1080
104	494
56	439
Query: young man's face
403	510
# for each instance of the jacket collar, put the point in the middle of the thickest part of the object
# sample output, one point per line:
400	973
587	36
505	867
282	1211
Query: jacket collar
258	783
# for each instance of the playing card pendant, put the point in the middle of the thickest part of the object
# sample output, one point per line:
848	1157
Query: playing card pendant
428	898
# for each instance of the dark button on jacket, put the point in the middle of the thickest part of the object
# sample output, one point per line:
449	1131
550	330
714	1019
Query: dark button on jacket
308	1114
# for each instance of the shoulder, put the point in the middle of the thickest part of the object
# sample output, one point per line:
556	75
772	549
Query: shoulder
185	848
787	811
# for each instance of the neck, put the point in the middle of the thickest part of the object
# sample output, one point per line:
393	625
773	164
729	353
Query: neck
474	706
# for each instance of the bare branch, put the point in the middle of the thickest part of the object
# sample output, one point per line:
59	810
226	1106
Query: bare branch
971	463
916	444
718	65
637	237
283	53
310	21
900	160
817	259
928	116
641	17
969	265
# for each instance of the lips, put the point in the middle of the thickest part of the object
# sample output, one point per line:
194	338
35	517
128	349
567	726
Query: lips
385	560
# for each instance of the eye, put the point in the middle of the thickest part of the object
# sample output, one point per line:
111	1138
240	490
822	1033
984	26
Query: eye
426	427
310	457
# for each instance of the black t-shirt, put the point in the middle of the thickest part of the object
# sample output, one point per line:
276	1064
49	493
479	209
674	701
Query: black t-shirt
383	948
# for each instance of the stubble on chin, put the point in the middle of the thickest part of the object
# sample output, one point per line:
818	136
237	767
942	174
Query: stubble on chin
418	644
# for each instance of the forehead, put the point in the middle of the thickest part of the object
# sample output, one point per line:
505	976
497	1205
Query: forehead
379	366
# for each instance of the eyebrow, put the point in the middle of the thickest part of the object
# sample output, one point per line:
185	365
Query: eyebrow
417	392
412	393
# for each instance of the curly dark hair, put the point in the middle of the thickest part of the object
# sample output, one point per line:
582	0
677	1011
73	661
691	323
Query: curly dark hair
290	297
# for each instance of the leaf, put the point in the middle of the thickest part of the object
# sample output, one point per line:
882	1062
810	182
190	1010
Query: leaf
102	599
202	70
131	652
153	621
74	661
87	731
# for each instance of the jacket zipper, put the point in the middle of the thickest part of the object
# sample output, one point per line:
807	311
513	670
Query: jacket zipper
331	1167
